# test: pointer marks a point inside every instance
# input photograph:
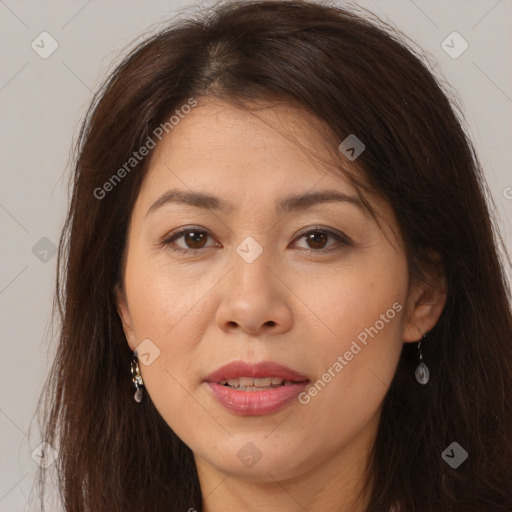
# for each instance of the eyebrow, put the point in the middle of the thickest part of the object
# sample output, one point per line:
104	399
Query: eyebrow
285	205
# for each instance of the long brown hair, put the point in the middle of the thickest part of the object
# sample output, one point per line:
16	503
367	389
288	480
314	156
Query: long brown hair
357	75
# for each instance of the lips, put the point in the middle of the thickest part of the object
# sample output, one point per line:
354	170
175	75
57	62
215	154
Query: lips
255	389
261	374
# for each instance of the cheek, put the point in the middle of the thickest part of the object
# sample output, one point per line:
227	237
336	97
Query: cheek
172	310
161	297
358	339
366	293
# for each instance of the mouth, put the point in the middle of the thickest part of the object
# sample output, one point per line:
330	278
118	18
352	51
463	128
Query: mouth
252	389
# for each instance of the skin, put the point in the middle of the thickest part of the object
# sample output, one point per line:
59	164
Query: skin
210	307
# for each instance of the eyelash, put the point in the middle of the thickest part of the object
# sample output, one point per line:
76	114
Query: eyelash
341	237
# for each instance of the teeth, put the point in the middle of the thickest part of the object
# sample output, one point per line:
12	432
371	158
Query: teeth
250	382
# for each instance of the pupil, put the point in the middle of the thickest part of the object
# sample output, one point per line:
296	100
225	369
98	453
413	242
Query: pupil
317	237
190	237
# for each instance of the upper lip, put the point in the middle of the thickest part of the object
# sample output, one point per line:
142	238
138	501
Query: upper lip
256	370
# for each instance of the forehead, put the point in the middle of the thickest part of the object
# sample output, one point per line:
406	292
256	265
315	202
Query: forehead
244	152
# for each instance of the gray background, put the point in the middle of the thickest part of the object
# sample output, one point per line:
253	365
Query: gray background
43	100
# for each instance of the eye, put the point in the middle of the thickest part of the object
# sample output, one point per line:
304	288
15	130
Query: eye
193	238
317	238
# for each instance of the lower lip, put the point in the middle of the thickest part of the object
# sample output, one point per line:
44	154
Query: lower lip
255	403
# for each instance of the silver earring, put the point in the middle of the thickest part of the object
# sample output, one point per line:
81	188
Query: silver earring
136	379
422	373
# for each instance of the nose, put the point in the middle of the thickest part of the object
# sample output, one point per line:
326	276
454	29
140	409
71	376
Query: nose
255	300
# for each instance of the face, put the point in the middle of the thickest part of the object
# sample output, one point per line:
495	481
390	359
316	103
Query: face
316	286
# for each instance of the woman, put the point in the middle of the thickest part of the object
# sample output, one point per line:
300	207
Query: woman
280	287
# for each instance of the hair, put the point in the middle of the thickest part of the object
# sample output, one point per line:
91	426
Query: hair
357	75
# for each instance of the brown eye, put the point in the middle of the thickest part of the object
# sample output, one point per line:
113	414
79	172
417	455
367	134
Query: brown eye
193	240
317	239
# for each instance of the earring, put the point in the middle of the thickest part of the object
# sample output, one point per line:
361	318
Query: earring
422	373
136	379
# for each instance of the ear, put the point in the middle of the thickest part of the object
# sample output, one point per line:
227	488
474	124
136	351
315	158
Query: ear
124	314
426	301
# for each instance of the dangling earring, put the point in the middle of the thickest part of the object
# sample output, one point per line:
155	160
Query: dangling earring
422	374
136	379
